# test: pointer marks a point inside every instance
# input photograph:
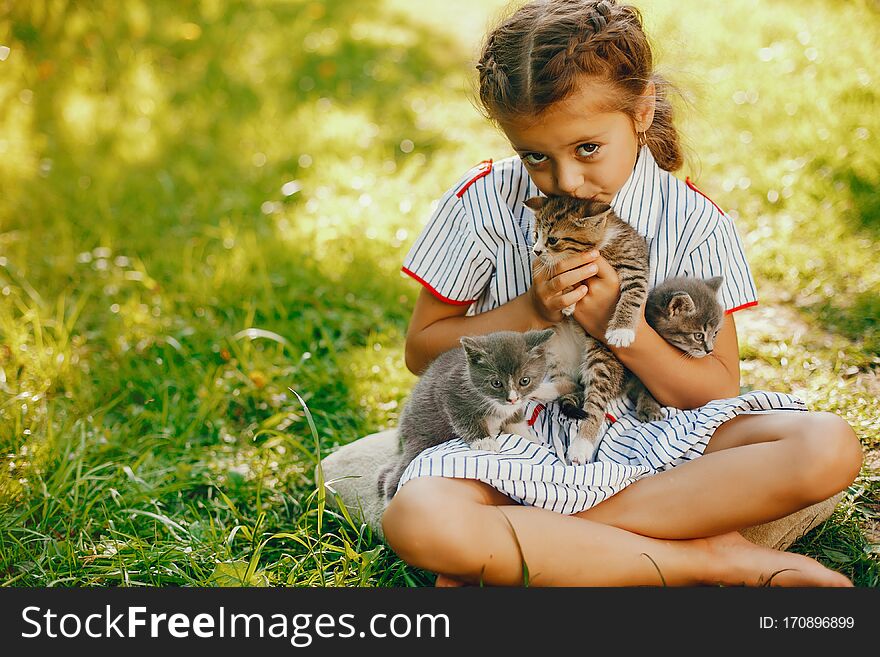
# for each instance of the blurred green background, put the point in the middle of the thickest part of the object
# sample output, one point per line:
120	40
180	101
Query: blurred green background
204	204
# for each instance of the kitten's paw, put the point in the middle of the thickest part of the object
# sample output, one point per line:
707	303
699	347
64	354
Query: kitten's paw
487	444
568	310
651	414
580	451
620	337
523	429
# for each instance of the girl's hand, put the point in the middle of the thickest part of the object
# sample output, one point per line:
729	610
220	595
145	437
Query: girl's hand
594	310
549	294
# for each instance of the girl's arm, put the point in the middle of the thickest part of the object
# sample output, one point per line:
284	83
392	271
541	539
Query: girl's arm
674	378
437	326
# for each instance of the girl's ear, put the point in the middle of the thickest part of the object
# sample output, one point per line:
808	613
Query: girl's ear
535	203
645	109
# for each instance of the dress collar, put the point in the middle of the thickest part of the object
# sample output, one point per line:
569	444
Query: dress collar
639	201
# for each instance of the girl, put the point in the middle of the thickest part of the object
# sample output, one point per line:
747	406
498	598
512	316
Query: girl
571	85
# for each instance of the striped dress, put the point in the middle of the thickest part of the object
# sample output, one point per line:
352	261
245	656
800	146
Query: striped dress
476	250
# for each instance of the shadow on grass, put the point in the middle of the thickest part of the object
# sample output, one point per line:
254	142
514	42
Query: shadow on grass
163	128
858	321
855	316
164	117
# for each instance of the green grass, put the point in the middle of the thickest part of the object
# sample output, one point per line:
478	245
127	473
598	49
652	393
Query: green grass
205	205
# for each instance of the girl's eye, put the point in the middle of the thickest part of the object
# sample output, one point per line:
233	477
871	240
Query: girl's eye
524	381
698	336
533	159
552	241
495	383
587	150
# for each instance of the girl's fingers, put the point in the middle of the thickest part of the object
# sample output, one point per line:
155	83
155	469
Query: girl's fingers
604	269
576	261
573	297
574	276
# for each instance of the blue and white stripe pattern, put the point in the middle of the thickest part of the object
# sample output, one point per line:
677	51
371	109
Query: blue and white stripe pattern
476	249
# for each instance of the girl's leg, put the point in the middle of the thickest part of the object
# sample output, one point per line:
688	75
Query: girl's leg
469	531
756	468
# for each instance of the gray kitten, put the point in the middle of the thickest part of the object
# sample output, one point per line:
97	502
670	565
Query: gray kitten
473	392
686	313
565	226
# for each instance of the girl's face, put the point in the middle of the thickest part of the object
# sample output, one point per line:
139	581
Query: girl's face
574	148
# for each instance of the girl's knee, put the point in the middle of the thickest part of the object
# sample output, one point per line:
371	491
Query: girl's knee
424	525
833	453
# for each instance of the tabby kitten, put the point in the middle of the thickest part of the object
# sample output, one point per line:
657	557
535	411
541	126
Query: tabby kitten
474	392
565	226
686	313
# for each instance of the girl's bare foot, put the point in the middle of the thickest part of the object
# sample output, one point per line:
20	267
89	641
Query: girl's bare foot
739	562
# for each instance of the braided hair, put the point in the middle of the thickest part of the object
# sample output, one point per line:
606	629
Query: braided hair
541	53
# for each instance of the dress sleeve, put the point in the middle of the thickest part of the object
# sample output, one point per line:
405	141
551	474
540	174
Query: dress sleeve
448	257
721	254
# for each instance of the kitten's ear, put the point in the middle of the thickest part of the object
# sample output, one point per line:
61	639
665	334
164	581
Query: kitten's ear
599	219
537	338
473	349
715	282
535	203
680	304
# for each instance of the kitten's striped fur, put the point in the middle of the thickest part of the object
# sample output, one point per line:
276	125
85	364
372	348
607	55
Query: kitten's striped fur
565	226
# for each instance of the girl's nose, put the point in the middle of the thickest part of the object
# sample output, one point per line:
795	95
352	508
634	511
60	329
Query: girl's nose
569	179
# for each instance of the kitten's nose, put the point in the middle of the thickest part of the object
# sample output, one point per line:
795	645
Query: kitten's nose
512	399
537	251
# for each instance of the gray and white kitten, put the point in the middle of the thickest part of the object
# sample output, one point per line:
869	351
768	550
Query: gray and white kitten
473	392
565	226
686	313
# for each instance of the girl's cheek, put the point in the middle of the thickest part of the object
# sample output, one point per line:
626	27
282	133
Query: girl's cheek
543	181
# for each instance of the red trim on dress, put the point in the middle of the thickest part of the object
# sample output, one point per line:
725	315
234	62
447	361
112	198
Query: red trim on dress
690	184
745	305
535	414
540	407
435	292
483	169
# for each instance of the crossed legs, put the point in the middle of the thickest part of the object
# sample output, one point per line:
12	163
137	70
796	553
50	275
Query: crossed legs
756	468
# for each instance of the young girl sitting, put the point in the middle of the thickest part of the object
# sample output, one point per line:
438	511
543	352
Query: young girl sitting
571	84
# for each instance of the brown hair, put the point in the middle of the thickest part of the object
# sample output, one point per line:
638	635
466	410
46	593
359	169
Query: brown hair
538	55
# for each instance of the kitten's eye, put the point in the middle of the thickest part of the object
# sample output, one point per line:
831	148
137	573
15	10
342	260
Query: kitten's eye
524	381
587	150
495	383
552	241
533	159
698	336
